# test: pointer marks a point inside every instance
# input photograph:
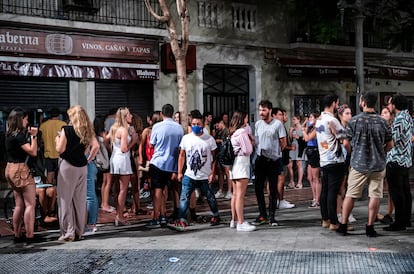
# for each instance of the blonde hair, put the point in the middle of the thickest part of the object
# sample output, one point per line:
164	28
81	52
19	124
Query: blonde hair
120	121
81	124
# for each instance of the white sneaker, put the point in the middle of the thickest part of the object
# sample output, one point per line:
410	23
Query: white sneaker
351	218
283	204
339	217
228	196
233	224
219	194
150	206
245	227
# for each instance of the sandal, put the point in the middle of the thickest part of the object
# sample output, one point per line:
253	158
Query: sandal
299	186
110	210
291	185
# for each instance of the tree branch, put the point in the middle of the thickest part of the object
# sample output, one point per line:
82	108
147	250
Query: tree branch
164	18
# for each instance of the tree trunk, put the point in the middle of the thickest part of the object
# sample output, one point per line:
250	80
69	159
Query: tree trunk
178	48
182	90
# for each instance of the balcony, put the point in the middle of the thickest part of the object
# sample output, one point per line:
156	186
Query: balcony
114	12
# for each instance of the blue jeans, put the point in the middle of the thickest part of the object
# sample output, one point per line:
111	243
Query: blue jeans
332	176
187	187
91	198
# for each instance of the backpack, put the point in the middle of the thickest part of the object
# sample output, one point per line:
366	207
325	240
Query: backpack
102	157
226	153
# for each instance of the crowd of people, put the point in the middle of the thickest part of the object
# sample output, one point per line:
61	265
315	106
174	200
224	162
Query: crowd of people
337	153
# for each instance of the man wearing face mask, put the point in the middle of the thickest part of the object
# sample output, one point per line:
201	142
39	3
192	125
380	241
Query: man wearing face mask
198	150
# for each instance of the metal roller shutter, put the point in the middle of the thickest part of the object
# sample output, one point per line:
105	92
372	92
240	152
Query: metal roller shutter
34	94
137	96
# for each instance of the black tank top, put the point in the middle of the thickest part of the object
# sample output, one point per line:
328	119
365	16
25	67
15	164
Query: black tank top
75	151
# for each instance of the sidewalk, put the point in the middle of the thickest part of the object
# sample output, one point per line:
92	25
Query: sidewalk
104	218
298	245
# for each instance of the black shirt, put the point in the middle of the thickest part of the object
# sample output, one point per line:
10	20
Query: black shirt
75	151
14	151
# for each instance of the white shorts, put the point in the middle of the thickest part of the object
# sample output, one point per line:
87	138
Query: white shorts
240	168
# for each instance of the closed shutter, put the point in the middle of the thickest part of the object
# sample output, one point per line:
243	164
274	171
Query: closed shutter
137	96
34	94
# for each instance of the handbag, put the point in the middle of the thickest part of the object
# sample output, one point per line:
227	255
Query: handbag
102	157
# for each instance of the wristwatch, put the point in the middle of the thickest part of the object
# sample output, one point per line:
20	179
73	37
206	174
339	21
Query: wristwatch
33	136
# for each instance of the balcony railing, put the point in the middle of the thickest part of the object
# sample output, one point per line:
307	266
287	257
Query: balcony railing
115	12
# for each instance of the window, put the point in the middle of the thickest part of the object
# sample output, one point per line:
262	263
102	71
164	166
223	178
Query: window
244	17
210	14
306	104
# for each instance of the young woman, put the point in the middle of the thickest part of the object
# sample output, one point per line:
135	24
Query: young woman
387	218
296	135
344	115
135	179
18	148
240	171
122	140
312	154
72	142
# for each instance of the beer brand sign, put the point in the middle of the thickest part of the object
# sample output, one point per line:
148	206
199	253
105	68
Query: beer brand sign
31	43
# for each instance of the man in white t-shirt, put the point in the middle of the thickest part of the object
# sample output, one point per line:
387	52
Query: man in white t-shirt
329	133
198	150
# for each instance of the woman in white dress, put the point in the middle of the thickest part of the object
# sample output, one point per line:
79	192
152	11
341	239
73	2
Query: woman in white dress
122	139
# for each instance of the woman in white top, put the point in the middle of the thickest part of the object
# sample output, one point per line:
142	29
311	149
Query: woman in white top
122	140
240	171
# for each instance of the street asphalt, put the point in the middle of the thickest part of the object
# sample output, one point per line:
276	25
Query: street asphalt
298	245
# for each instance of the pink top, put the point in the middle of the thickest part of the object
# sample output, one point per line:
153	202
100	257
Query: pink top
240	140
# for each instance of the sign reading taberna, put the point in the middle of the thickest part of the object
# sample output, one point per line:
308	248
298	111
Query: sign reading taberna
30	42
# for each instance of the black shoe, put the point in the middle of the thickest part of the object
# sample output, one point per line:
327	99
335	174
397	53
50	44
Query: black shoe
386	220
370	231
215	220
19	240
342	229
394	227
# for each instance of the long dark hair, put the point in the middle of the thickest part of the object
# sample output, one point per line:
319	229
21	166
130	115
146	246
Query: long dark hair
15	121
237	121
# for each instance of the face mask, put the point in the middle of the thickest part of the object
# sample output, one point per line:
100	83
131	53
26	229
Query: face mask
197	129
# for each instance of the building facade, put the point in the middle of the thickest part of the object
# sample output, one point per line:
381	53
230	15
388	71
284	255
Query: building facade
103	54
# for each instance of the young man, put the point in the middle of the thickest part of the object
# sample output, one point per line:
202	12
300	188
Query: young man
281	115
368	135
198	150
47	195
165	139
270	140
399	162
329	133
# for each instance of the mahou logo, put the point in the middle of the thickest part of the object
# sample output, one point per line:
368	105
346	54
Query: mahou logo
59	44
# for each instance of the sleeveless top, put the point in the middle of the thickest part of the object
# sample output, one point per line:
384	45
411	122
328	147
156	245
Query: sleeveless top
120	162
74	151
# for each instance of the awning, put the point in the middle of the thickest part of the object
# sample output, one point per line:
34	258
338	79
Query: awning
75	69
329	68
